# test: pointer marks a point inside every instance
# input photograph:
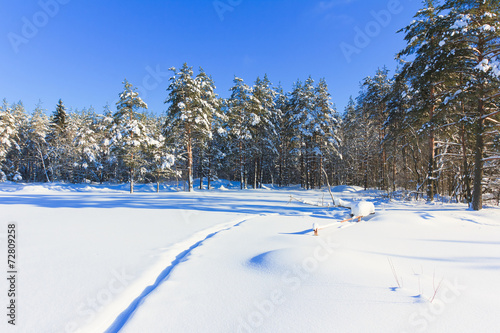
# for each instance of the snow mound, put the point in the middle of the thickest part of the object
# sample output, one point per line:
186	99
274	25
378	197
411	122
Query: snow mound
346	188
362	208
341	203
280	260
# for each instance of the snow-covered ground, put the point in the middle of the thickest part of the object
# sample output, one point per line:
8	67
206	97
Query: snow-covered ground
97	259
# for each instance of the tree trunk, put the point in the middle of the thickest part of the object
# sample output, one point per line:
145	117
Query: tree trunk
477	194
131	180
431	191
242	176
255	173
209	170
190	161
466	176
200	170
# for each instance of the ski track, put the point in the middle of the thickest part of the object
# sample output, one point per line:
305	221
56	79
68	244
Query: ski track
126	314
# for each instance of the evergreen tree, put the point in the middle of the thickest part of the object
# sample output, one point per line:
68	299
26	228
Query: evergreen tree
58	120
8	131
130	134
36	144
189	116
263	147
241	120
424	38
472	41
59	146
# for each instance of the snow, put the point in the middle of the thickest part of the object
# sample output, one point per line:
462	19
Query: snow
483	65
462	22
362	208
94	258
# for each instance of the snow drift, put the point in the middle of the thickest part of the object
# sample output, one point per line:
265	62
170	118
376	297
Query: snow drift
362	208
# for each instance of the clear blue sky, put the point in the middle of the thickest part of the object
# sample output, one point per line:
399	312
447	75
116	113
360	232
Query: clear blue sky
80	51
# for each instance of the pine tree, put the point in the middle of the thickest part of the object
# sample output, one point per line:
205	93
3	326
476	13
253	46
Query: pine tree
58	120
262	148
424	37
281	138
160	159
130	134
8	131
240	123
36	144
15	158
211	111
189	116
85	145
59	143
326	138
106	161
472	42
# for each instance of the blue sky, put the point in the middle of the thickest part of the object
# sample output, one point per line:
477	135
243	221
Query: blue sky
80	51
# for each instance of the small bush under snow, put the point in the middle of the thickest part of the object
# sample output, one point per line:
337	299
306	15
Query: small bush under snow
362	208
341	203
17	177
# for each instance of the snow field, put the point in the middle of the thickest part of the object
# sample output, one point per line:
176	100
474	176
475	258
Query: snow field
246	261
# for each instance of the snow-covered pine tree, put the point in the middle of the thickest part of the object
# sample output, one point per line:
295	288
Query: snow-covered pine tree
106	161
130	134
263	147
374	104
58	120
326	137
159	157
301	104
211	110
240	123
399	134
86	146
281	141
424	36
313	124
14	161
8	131
191	106
351	148
36	144
58	144
472	42
12	128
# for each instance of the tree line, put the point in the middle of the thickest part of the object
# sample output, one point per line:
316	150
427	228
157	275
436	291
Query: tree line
432	128
259	135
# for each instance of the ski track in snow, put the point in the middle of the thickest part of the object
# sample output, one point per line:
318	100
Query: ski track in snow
126	314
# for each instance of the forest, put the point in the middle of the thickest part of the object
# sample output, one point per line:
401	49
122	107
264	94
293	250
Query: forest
430	130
